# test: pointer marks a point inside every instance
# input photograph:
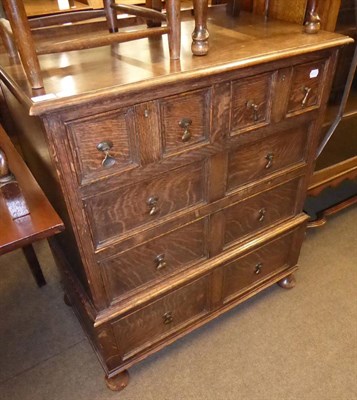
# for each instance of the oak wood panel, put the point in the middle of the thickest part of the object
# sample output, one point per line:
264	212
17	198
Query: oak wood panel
250	269
260	211
134	269
306	87
194	107
266	156
118	211
251	103
157	320
86	134
147	130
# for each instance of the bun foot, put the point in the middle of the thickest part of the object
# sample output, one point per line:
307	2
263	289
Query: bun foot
67	300
118	382
288	282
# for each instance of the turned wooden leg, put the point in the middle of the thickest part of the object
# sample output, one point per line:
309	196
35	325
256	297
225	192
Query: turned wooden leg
174	22
15	11
118	382
200	34
312	23
288	282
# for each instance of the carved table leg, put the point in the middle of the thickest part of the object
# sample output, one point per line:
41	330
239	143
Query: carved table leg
288	282
200	34
118	382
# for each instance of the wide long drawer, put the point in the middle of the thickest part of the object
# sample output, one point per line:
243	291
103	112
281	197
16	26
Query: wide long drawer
144	328
154	261
120	210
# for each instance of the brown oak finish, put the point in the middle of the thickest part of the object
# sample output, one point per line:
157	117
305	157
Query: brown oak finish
155	260
138	281
250	269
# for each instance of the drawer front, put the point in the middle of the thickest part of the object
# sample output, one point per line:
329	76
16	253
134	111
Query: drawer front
156	321
306	87
103	144
251	103
155	260
116	212
260	211
254	267
259	159
185	120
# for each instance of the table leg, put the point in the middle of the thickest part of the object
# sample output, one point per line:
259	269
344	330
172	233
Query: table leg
200	34
34	265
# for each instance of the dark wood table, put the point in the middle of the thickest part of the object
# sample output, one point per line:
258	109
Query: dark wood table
42	220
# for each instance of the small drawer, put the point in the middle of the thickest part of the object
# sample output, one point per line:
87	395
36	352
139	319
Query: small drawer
251	103
144	328
306	87
102	144
154	261
256	266
185	120
118	211
259	159
260	211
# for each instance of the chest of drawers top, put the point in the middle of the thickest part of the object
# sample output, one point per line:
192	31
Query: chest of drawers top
136	71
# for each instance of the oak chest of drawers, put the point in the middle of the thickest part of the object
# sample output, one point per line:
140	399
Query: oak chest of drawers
181	184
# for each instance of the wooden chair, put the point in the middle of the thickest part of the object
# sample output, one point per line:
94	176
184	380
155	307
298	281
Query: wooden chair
17	33
26	214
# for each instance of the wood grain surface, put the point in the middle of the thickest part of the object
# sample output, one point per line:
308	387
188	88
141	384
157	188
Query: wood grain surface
41	221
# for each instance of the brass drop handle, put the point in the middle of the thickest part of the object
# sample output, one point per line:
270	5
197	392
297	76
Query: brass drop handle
185	124
105	147
168	318
160	261
152	203
269	157
307	91
262	213
254	107
258	268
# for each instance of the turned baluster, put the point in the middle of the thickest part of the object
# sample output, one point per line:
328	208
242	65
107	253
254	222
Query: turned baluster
16	14
200	34
312	20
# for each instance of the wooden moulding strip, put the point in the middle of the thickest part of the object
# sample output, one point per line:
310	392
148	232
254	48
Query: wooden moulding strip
110	38
332	175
